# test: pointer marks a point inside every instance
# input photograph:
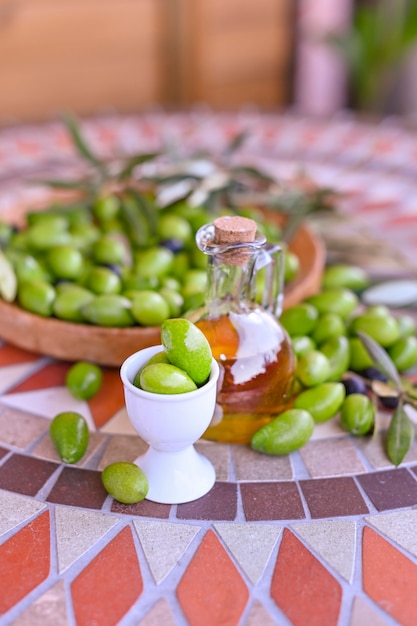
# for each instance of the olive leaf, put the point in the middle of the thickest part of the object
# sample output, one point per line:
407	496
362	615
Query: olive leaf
381	359
80	143
135	218
237	141
134	161
400	435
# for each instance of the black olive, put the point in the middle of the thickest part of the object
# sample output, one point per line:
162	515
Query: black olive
175	245
372	373
354	384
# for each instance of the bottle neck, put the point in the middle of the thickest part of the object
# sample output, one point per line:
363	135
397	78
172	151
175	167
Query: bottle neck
229	287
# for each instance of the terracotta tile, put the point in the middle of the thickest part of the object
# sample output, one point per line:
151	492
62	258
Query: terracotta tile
24	561
389	578
250	465
48	610
399	526
10	355
3	452
390	489
24	474
19	428
302	588
109	399
339	458
112	582
78	487
208	585
271	501
145	508
52	375
218	504
332	497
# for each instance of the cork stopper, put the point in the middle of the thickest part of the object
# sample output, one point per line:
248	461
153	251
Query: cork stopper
233	229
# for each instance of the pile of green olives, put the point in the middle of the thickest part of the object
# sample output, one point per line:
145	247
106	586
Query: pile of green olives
334	371
95	263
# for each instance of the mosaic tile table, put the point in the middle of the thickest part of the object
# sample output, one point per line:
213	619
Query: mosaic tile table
326	537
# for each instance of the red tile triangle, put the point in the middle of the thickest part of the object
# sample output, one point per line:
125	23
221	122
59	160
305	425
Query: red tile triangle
106	589
52	375
24	561
11	355
389	578
212	586
109	399
302	587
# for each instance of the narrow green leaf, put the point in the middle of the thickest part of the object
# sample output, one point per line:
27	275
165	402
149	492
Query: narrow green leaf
80	143
381	359
132	162
147	209
237	141
135	220
252	172
400	435
61	184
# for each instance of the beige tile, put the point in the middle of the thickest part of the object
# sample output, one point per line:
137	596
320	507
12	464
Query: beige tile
20	428
334	541
218	454
251	465
365	614
77	531
50	609
251	545
15	509
399	527
258	615
336	459
160	614
164	544
373	448
122	448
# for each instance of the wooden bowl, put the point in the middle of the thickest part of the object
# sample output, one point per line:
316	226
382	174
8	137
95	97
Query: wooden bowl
111	346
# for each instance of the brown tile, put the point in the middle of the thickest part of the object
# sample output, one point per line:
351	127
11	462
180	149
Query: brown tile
78	487
218	504
333	497
390	489
271	501
145	508
3	452
24	474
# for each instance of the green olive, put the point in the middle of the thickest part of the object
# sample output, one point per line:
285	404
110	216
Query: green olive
337	350
345	276
313	368
69	434
360	358
149	308
37	297
174	227
108	310
125	482
159	357
403	353
155	261
340	301
194	281
322	401
299	319
286	433
109	249
29	268
69	302
328	325
106	207
165	378
174	299
84	380
302	344
291	266
382	328
43	236
357	414
406	325
65	262
102	280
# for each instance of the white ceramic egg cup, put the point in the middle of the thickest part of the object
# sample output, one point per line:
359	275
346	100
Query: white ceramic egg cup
171	424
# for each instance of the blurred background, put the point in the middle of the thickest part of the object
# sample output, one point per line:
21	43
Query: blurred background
314	56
